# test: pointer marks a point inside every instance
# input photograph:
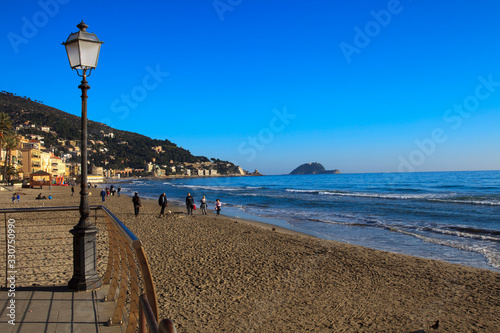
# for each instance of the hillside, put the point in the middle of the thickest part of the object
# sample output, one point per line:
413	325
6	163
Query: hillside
110	147
314	168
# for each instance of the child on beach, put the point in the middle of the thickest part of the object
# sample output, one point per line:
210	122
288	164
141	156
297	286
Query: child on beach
203	206
218	206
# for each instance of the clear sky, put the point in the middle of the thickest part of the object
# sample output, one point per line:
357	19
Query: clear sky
360	86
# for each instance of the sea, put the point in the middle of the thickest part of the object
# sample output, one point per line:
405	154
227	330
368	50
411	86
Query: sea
448	216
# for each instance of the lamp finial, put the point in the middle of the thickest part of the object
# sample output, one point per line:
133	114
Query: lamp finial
82	26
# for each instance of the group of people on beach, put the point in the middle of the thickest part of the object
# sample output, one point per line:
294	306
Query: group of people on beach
190	205
162	201
109	191
16	196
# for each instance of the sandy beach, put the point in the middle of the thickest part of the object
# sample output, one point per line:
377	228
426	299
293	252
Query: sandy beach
218	274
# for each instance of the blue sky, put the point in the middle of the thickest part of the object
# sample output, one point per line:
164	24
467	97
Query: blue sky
361	86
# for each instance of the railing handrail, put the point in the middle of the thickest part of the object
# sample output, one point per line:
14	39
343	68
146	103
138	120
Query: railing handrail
42	209
134	243
125	231
147	316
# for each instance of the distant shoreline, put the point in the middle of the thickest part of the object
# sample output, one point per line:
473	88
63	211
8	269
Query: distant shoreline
108	179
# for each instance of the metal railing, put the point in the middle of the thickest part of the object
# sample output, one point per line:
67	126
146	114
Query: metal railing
44	247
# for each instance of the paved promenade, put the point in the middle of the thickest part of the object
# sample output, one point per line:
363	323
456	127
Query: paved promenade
57	309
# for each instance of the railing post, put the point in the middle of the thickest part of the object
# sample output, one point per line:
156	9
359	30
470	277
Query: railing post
142	320
6	253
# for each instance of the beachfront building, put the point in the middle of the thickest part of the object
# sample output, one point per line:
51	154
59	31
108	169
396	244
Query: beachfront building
58	166
45	162
74	169
125	172
31	156
213	172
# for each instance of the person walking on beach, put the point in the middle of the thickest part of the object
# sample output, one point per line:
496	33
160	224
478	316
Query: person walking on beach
189	204
103	195
137	203
119	189
18	197
162	201
72	190
218	206
14	198
203	206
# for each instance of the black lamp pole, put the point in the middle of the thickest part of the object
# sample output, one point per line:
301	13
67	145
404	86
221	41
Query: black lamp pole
83	49
85	276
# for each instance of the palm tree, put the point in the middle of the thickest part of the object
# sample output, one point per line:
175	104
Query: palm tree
11	142
5	126
11	171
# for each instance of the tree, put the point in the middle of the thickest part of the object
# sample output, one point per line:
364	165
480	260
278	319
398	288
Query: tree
11	142
5	127
10	171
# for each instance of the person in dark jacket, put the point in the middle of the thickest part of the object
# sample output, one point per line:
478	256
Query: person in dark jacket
189	204
103	195
162	201
137	203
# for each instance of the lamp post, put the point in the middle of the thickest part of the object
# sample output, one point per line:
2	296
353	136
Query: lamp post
83	49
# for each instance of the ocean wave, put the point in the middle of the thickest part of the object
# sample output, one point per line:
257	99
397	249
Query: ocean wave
210	188
302	191
433	197
469	202
391	196
469	233
395	196
492	255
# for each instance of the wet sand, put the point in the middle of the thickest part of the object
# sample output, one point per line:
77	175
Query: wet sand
215	273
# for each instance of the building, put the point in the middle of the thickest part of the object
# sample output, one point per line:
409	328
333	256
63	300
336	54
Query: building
58	166
45	162
31	157
158	149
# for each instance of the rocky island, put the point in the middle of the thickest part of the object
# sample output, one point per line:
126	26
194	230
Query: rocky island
314	168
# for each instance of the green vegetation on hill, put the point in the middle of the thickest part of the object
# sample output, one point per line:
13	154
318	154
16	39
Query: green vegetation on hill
124	149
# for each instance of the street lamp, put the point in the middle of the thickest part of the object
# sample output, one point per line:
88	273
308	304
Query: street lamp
83	49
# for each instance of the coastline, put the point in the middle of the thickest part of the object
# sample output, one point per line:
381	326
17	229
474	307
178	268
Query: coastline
213	274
